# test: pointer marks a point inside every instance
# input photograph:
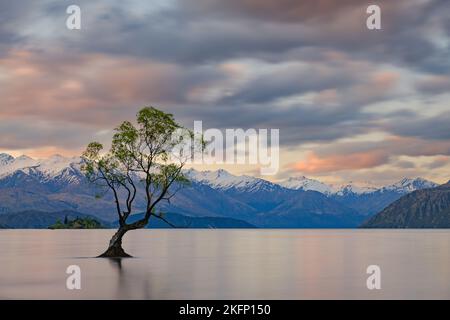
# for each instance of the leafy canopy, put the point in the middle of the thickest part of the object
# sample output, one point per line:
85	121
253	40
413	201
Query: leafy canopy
148	157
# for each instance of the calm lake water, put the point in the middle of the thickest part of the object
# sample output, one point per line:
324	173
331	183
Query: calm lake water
227	264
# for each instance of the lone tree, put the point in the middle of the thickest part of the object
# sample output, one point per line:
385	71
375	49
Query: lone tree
147	160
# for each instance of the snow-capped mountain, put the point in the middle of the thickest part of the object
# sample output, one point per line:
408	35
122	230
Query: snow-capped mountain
48	167
5	159
67	167
369	200
303	183
356	188
403	186
222	179
407	185
260	194
365	198
57	183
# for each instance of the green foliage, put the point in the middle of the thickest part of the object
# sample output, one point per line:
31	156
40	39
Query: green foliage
147	156
78	223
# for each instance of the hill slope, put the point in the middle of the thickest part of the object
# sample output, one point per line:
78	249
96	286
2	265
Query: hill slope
181	221
33	219
428	208
57	184
309	209
370	202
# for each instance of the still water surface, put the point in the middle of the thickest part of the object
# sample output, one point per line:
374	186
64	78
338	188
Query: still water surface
227	264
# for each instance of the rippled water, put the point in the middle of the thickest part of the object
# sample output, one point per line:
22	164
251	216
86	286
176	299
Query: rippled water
227	264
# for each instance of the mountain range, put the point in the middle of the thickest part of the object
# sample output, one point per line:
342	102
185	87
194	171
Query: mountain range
428	208
57	184
33	219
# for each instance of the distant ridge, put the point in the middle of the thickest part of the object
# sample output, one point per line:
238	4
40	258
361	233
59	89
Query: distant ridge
403	186
33	219
181	221
69	167
57	184
427	208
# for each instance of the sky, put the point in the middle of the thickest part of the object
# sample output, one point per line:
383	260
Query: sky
351	104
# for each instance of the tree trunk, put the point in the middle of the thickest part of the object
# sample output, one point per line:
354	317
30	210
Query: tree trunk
115	249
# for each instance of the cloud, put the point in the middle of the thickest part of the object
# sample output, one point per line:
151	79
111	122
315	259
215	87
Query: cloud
284	80
431	127
358	157
310	68
93	88
405	164
104	90
200	31
434	84
439	162
29	133
393	145
316	164
281	10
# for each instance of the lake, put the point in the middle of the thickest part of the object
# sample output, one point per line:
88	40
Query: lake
227	264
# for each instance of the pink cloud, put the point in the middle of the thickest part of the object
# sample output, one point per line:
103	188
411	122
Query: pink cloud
319	164
91	88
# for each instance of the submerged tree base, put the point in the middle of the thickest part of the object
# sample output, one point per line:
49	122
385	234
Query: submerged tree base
114	252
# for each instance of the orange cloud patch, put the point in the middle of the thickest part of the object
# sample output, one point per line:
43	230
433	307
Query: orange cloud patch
385	80
46	152
363	160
